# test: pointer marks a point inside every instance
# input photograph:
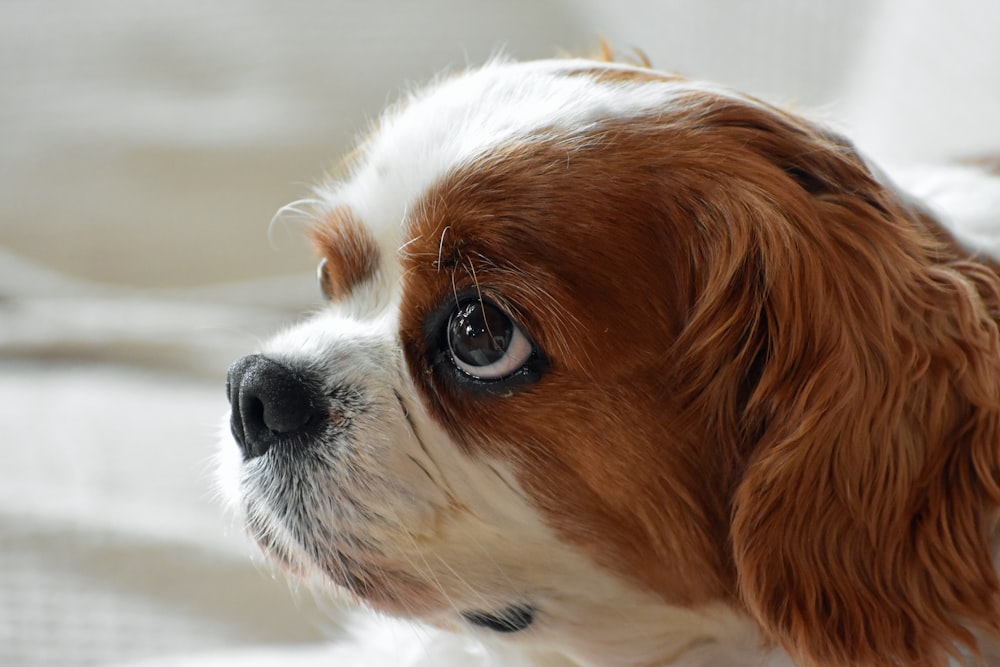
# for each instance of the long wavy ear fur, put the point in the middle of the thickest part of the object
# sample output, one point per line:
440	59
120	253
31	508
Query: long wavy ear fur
862	525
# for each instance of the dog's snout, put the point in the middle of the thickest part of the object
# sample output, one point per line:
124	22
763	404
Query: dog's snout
269	404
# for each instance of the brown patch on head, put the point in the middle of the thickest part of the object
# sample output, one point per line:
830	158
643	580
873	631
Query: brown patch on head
606	53
764	372
349	254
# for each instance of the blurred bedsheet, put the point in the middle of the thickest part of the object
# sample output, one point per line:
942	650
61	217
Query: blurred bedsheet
112	544
144	147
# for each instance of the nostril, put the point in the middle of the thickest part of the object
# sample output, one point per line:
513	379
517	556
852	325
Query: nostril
284	406
251	410
269	403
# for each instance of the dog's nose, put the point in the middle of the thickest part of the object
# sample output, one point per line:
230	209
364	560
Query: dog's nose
269	404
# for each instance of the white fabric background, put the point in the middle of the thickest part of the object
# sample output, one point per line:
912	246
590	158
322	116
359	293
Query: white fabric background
144	147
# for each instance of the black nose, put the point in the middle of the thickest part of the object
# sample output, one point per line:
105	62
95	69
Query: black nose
269	403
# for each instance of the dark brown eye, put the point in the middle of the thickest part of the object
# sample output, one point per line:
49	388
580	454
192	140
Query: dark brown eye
323	278
485	343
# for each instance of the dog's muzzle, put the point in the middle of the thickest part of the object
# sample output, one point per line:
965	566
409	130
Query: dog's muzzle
270	405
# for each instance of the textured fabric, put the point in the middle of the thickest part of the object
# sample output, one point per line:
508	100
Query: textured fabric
111	543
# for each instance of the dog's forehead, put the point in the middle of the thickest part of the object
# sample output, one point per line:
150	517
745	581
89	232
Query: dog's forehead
451	124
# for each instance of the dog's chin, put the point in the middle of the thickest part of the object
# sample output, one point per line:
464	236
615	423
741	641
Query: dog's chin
377	586
391	591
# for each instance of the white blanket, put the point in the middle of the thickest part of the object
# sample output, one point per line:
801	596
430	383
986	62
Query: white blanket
144	147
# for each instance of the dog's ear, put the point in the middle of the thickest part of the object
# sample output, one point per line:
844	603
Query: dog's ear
862	523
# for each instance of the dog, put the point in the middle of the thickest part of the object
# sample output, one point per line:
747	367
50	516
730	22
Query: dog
623	369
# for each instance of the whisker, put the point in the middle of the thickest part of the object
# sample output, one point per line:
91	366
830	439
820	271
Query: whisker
402	249
304	209
444	232
479	292
475	592
454	289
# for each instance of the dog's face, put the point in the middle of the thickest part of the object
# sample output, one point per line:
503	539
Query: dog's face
541	400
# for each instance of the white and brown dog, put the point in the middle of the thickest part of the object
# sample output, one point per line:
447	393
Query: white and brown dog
627	370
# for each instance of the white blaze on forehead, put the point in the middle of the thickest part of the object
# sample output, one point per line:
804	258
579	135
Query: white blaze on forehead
450	124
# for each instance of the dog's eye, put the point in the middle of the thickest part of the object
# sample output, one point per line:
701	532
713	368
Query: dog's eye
323	278
477	349
485	343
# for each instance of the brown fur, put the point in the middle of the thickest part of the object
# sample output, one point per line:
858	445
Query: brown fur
351	254
771	382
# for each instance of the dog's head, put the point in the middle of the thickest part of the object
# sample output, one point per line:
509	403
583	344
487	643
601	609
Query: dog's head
633	367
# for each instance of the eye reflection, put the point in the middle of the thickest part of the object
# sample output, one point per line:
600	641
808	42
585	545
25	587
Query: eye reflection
484	342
